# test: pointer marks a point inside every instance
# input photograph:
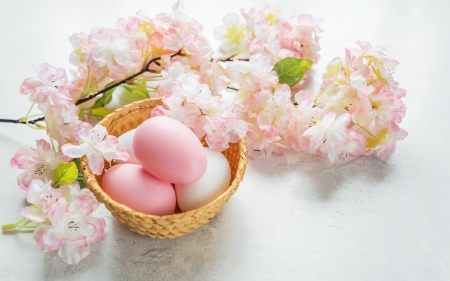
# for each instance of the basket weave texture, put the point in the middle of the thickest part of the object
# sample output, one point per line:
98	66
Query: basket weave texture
129	117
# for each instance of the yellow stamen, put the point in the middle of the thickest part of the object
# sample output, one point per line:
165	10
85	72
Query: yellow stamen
374	142
272	18
235	34
79	53
146	27
379	76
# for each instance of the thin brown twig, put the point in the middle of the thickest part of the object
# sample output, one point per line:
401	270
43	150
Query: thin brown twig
232	88
231	59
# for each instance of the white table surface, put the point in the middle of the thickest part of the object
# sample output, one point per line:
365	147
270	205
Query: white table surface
293	218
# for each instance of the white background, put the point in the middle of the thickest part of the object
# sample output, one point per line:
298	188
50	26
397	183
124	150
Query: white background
293	218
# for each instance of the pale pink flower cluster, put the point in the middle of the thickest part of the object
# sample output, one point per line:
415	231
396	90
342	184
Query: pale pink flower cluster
65	219
268	32
76	138
362	87
356	112
187	99
64	215
53	93
47	86
108	54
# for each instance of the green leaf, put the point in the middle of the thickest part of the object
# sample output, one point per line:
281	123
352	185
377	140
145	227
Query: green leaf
80	180
291	70
100	112
77	162
132	93
65	172
105	98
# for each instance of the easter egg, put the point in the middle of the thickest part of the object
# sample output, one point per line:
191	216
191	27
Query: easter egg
211	185
169	150
131	185
126	143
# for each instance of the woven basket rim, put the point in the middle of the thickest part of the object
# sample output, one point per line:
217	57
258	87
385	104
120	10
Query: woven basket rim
96	187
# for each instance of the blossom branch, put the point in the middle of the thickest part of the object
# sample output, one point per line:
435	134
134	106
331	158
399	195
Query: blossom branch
142	71
232	88
231	59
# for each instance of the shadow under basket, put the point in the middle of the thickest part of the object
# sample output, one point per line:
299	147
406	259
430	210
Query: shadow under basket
129	117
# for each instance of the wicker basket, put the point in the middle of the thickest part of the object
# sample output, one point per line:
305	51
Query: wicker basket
129	117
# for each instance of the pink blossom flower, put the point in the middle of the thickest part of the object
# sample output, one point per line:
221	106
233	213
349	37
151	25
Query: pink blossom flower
223	130
188	88
131	25
186	113
145	32
199	51
266	41
61	120
262	141
249	17
307	112
255	75
70	231
359	83
71	191
44	199
354	147
213	74
356	63
233	35
385	141
278	107
45	85
171	74
299	38
374	54
376	114
111	48
177	28
39	163
270	15
80	198
253	104
97	145
199	130
267	32
388	107
219	107
329	133
344	101
81	49
292	138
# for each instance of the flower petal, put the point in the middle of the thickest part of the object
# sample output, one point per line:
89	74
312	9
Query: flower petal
74	151
96	228
96	163
37	235
74	251
33	213
50	241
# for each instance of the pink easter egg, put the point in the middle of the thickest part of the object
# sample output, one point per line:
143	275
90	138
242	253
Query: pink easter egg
131	185
169	150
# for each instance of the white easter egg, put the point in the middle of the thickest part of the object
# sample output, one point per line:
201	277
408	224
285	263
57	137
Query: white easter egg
211	185
126	143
